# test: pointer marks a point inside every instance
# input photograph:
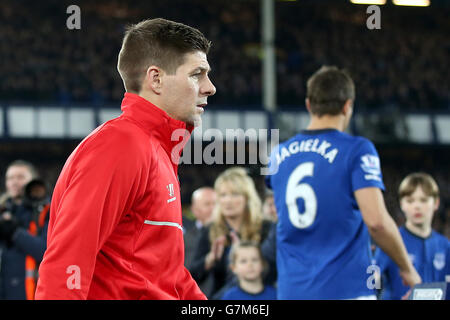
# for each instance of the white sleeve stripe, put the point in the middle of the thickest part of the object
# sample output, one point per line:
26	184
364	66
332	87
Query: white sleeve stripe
163	223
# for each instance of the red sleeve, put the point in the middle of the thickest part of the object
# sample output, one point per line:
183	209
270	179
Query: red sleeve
97	185
188	289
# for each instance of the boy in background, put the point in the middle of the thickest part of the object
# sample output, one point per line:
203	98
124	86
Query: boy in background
428	250
248	265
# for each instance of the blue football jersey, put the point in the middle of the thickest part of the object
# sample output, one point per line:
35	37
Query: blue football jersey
237	293
323	245
430	256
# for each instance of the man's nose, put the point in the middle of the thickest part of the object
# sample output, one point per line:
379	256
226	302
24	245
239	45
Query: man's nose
209	89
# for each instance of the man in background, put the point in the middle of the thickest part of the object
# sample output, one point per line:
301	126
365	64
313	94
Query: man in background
23	230
329	200
203	201
202	205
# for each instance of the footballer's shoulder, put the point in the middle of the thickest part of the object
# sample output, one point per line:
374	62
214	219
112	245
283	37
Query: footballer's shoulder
113	138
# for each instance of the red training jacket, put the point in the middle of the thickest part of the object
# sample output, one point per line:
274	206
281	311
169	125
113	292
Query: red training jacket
115	223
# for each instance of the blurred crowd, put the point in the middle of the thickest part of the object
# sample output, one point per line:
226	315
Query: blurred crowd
401	66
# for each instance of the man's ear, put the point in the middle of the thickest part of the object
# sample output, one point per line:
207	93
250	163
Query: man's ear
153	79
308	105
348	106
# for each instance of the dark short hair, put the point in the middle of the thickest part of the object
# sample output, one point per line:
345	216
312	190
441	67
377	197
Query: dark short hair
158	42
328	89
416	179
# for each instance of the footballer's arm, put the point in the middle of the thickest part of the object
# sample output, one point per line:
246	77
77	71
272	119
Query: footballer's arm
384	232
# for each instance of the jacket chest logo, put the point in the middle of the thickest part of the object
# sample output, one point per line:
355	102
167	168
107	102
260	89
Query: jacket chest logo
439	261
171	191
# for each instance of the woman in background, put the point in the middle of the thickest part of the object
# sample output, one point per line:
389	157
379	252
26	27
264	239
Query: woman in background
237	216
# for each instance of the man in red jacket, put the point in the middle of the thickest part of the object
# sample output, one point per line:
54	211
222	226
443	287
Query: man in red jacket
115	223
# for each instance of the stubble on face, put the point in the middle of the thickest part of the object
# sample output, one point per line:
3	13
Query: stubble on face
186	93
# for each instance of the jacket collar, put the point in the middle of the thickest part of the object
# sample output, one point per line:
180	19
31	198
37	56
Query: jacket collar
156	122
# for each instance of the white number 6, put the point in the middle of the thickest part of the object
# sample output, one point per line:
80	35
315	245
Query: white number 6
294	191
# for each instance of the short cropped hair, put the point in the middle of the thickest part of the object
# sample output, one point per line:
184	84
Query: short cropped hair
328	89
248	244
158	42
22	163
414	180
